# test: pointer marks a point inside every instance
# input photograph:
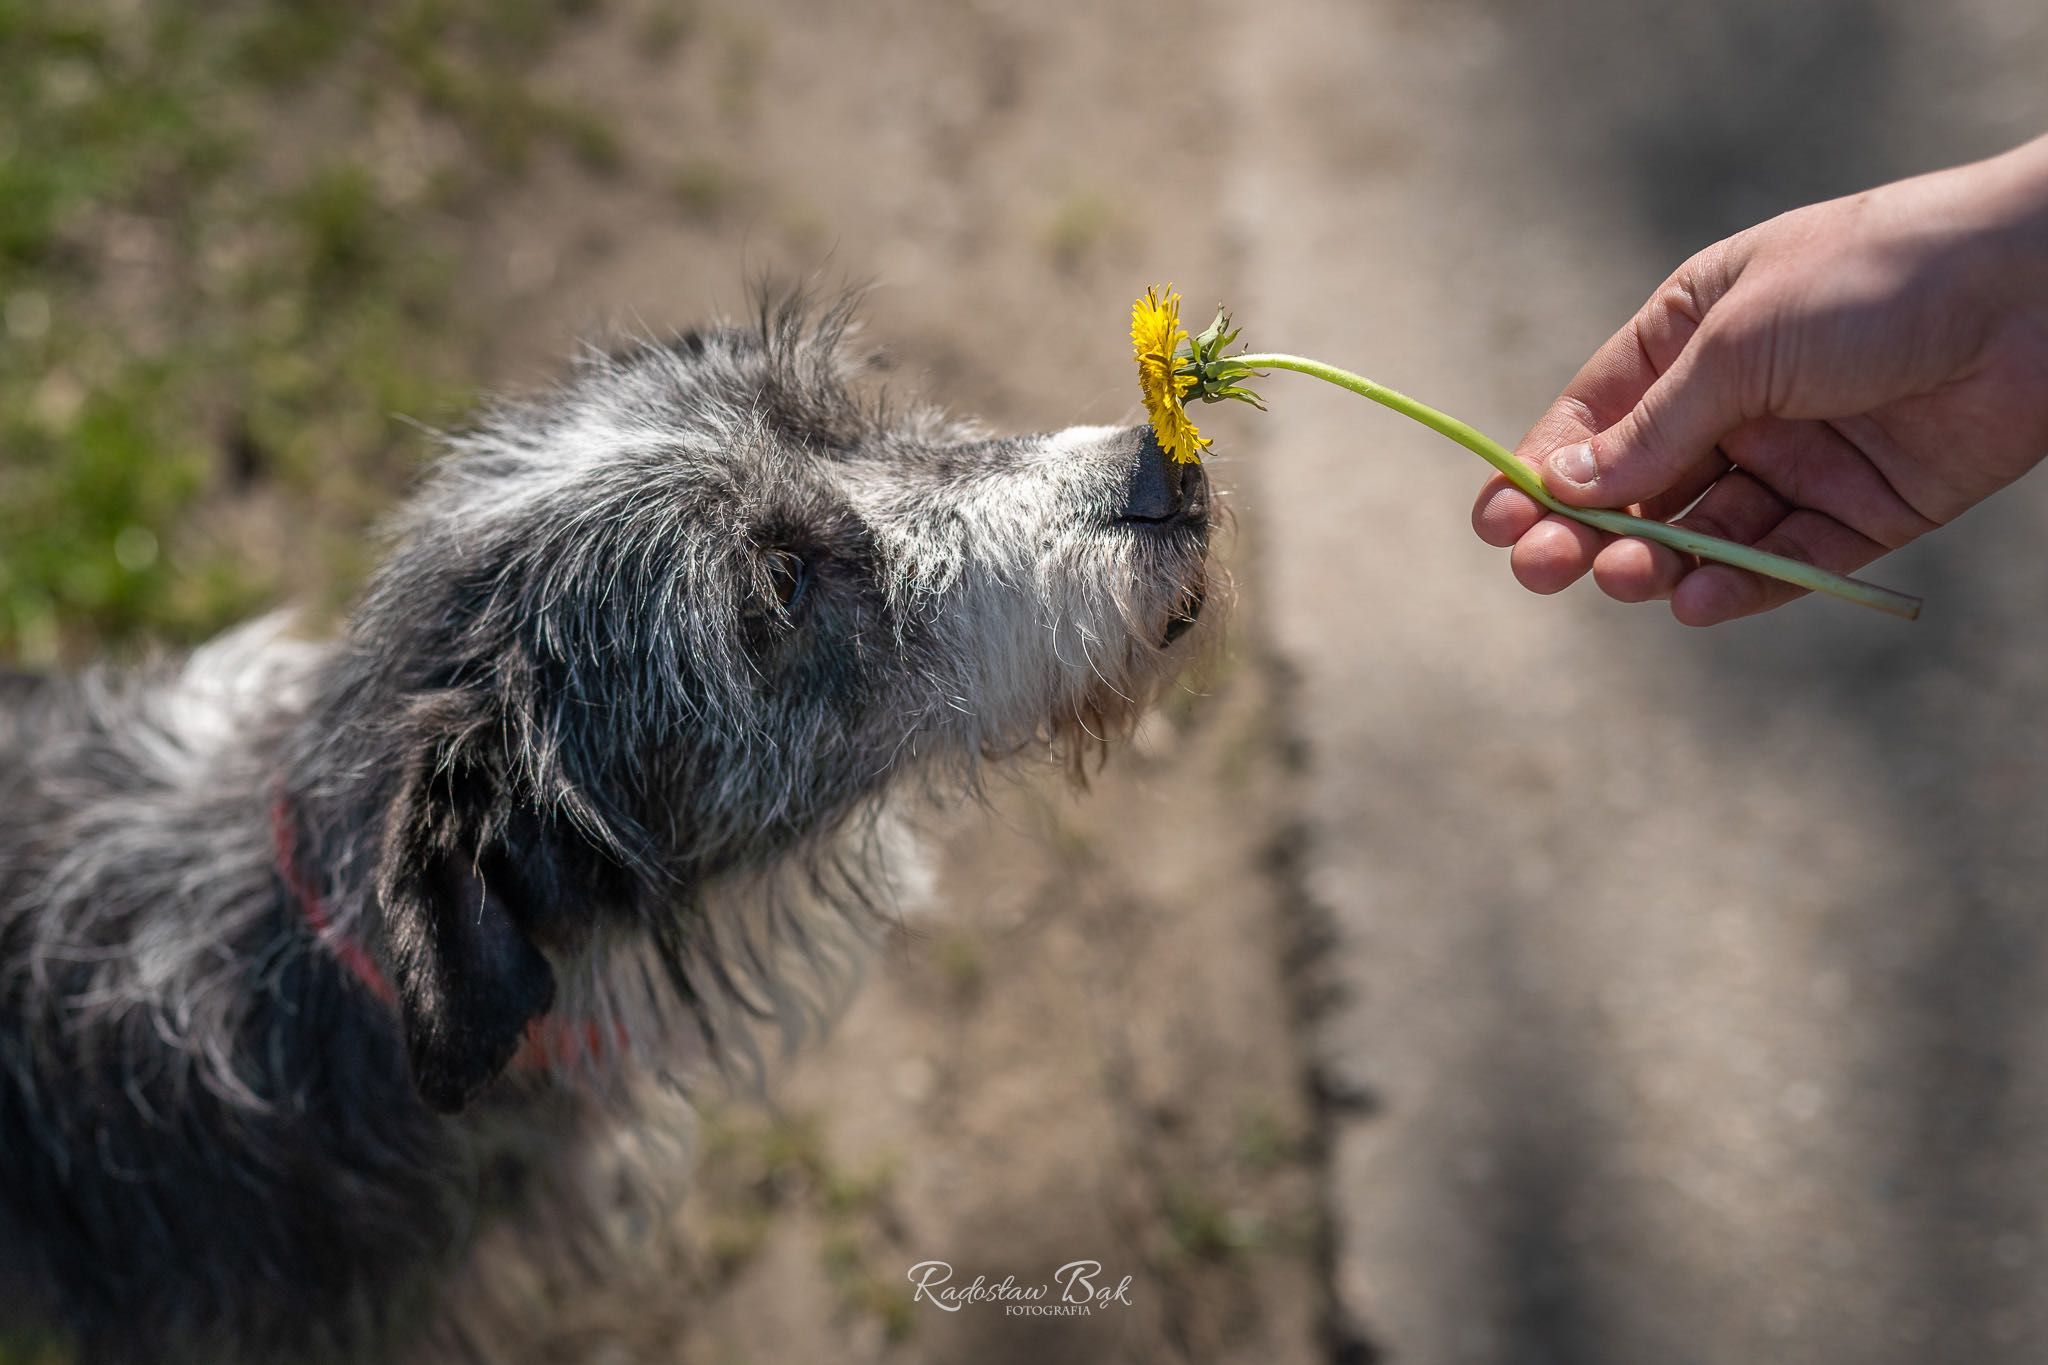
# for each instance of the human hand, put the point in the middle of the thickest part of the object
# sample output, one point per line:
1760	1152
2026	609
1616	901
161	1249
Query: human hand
1828	385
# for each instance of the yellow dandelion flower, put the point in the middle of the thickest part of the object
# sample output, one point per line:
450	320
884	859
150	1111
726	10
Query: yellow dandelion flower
1156	339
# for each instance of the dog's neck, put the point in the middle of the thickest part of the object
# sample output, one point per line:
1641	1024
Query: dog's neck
551	1043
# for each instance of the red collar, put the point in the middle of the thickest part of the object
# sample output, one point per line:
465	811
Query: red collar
284	843
549	1043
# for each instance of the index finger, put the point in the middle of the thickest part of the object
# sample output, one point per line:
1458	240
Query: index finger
1605	389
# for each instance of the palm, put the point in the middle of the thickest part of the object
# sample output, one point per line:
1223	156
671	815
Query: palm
1949	449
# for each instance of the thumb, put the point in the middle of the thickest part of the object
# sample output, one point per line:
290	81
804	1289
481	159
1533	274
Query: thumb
1672	429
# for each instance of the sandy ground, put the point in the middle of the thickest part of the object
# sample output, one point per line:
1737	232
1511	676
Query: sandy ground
1451	976
1695	978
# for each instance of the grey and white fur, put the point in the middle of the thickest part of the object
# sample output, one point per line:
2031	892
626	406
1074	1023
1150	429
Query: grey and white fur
315	955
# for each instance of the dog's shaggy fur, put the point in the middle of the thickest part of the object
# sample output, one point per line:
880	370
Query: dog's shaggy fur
310	953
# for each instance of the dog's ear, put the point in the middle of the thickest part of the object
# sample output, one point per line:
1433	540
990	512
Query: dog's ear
461	895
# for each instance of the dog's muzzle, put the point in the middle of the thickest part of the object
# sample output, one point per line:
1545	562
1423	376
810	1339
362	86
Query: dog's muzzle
1164	496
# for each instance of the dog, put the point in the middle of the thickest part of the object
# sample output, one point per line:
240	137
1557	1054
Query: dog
315	955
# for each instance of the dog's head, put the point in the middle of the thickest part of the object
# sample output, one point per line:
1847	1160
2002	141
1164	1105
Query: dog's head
686	615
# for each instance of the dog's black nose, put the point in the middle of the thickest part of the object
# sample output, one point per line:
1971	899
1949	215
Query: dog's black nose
1159	485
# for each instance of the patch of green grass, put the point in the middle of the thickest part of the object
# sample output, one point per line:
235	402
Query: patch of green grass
509	121
742	64
963	965
289	44
667	27
26	1350
1264	1140
755	1171
82	493
1079	226
704	189
862	1291
341	231
1203	1227
212	291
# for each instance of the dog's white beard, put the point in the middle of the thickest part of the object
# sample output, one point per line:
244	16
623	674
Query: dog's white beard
772	958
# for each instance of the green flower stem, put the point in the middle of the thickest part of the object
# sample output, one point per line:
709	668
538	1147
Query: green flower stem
1618	523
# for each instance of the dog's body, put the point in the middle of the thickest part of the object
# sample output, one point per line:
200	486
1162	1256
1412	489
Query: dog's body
307	950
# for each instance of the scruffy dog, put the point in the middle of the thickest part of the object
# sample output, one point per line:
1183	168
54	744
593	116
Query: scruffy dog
310	954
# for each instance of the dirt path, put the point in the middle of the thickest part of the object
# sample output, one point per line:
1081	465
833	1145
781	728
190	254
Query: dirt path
1689	984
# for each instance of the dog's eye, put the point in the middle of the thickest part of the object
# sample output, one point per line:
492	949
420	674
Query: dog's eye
789	578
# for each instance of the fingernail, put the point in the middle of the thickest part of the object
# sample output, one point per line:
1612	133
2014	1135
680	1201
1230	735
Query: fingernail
1574	464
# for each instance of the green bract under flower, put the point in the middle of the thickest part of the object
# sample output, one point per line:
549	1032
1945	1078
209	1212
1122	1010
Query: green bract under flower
1212	375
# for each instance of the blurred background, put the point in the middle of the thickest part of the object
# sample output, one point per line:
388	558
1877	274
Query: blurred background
1448	975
